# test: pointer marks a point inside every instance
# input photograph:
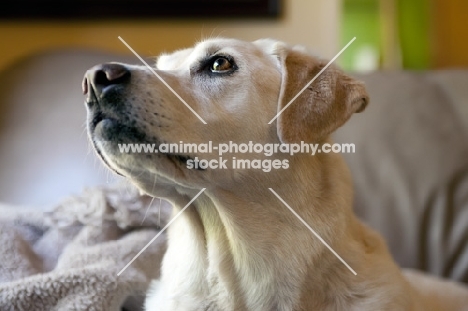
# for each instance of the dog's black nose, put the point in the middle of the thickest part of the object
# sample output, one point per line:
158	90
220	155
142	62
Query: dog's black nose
101	76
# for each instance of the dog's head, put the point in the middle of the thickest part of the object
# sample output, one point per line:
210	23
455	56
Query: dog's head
235	87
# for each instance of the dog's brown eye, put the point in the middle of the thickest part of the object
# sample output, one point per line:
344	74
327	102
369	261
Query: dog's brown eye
221	64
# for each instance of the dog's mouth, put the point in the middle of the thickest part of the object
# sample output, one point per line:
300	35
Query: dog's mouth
98	117
110	135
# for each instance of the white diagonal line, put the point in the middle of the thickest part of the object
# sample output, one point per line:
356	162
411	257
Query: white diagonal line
311	81
159	77
146	213
313	231
160	232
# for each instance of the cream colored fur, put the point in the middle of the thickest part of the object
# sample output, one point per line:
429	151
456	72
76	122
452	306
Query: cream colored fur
237	247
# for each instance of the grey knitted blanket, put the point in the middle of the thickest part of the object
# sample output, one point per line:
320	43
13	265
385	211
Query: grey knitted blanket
69	258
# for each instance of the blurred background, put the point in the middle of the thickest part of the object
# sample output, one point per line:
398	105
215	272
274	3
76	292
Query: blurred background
392	34
312	23
47	47
405	34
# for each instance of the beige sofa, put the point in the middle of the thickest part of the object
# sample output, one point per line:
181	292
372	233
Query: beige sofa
410	167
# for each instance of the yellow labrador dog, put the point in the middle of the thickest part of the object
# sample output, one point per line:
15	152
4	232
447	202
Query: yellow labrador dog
237	246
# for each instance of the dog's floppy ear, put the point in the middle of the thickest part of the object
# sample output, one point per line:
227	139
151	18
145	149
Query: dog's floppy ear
323	106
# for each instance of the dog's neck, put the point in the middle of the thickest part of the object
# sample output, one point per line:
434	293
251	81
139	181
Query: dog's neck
241	233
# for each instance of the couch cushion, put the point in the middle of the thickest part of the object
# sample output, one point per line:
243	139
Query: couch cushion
410	168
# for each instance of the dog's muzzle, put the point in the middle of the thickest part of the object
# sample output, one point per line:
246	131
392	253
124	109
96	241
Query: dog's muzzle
105	87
